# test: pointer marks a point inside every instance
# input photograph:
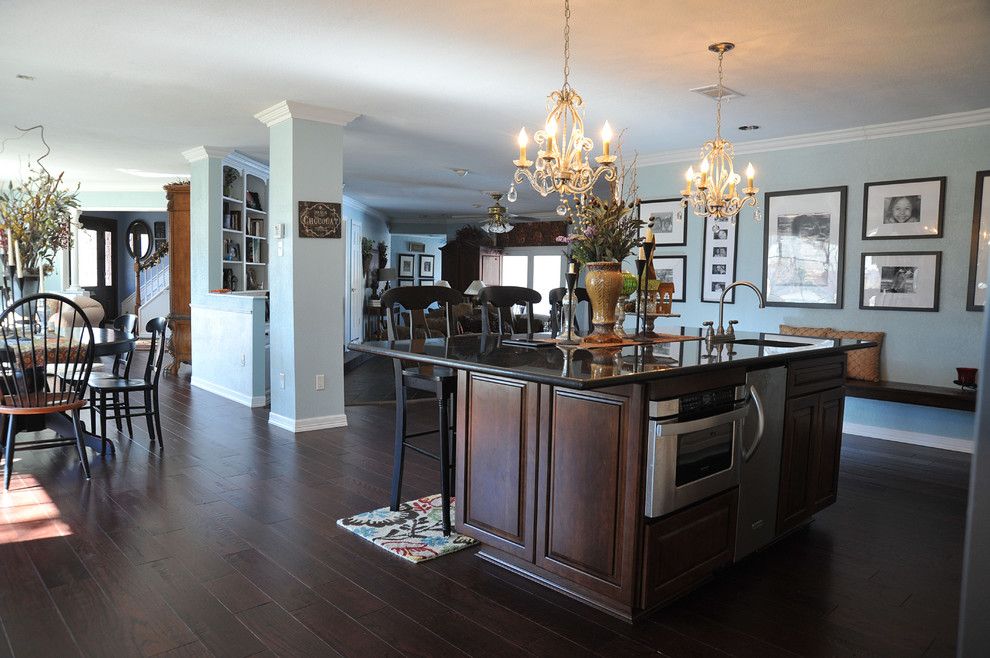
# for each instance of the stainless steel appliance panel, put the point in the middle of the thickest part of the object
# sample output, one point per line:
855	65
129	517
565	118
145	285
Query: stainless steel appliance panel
759	460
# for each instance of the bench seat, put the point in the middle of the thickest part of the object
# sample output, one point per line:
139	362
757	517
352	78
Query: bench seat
944	397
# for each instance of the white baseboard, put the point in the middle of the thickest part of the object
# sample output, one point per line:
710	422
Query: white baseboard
307	424
229	393
905	436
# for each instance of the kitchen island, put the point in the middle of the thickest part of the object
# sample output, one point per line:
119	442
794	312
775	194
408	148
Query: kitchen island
624	477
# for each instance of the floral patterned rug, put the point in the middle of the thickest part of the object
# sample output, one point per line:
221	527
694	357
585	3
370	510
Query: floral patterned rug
414	533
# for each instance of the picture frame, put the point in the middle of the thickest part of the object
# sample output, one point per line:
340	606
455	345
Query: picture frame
900	281
904	209
976	289
254	201
416	247
804	243
406	283
720	245
426	262
667	219
159	230
675	268
407	266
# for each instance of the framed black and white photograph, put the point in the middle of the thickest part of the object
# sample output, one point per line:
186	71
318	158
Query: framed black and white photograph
976	291
407	266
804	239
405	283
672	269
426	266
719	261
904	209
666	218
900	281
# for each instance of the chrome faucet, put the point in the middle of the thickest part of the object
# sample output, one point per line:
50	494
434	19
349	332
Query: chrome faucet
723	335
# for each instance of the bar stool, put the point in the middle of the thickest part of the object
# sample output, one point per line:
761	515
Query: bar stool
434	379
503	298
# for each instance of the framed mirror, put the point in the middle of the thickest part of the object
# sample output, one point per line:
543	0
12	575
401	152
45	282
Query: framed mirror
140	239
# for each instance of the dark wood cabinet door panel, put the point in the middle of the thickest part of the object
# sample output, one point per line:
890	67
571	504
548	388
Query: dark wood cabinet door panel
812	375
825	465
800	420
686	547
589	504
496	465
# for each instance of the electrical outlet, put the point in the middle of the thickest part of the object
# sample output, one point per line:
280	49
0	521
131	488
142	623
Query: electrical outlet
321	382
243	359
281	379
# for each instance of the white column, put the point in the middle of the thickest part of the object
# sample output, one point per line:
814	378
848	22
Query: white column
306	275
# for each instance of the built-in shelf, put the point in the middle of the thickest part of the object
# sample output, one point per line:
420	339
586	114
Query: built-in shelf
245	274
233	262
256	211
257	264
230	199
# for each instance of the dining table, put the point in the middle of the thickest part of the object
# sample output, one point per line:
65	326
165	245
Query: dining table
106	342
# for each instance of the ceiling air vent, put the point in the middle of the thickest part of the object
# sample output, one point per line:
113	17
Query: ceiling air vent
711	91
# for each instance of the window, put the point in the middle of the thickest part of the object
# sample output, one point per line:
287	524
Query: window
540	268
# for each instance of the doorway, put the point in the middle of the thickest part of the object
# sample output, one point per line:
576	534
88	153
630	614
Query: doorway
98	261
356	277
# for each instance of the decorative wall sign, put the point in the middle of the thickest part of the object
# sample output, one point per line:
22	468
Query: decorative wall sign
426	266
976	292
904	209
672	269
803	244
901	281
416	247
666	218
318	219
407	266
719	261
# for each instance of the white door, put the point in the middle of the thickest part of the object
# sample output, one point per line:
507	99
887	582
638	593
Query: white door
357	285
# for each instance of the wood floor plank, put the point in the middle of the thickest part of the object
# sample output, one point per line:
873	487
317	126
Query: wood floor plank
284	634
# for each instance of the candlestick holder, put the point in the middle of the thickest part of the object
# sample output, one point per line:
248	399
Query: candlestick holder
571	282
640	268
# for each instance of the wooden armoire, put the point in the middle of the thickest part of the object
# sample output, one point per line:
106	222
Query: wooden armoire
180	288
461	263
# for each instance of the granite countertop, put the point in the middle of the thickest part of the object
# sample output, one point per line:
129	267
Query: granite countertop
596	368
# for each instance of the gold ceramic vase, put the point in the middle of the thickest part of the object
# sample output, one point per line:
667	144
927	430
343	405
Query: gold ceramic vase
604	285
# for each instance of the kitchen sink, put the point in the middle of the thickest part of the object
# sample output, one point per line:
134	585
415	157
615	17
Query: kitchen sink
768	343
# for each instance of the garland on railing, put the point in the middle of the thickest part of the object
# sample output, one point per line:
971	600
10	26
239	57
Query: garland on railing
156	257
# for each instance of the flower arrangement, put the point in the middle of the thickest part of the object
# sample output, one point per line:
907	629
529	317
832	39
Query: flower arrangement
35	221
382	255
605	230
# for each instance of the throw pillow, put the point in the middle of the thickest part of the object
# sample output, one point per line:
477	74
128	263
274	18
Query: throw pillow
863	365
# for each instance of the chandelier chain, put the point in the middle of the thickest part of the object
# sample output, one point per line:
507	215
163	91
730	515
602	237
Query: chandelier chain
567	43
718	104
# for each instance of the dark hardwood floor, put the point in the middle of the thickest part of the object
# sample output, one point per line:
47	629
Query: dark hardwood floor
226	545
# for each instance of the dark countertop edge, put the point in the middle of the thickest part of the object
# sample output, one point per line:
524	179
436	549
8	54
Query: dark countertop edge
618	380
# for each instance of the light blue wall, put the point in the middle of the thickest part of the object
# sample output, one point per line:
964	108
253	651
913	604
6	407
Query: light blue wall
920	347
121	200
400	245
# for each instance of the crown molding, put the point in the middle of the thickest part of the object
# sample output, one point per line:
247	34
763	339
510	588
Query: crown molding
294	110
955	121
203	152
374	212
240	161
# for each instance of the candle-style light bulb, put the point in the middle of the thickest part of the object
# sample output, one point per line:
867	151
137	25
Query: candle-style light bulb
704	173
522	140
688	179
750	174
551	131
606	138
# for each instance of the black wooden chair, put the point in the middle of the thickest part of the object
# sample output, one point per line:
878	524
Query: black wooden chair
503	298
441	381
121	368
557	297
43	370
106	393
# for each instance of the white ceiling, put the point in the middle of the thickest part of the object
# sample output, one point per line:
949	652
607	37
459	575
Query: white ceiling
122	84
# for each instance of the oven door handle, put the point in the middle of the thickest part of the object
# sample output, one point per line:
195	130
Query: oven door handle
737	414
760	424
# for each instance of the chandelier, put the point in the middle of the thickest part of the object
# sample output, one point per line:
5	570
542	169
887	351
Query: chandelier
715	182
498	221
561	164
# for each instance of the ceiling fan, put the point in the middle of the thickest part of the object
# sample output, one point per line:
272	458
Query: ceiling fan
496	221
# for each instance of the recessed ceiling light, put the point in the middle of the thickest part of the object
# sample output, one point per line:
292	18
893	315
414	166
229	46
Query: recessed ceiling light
460	172
22	76
749	127
150	174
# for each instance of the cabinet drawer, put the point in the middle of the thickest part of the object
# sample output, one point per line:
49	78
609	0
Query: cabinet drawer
813	375
684	548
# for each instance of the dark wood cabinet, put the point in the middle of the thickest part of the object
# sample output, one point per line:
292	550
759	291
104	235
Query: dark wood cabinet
809	467
461	263
684	548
